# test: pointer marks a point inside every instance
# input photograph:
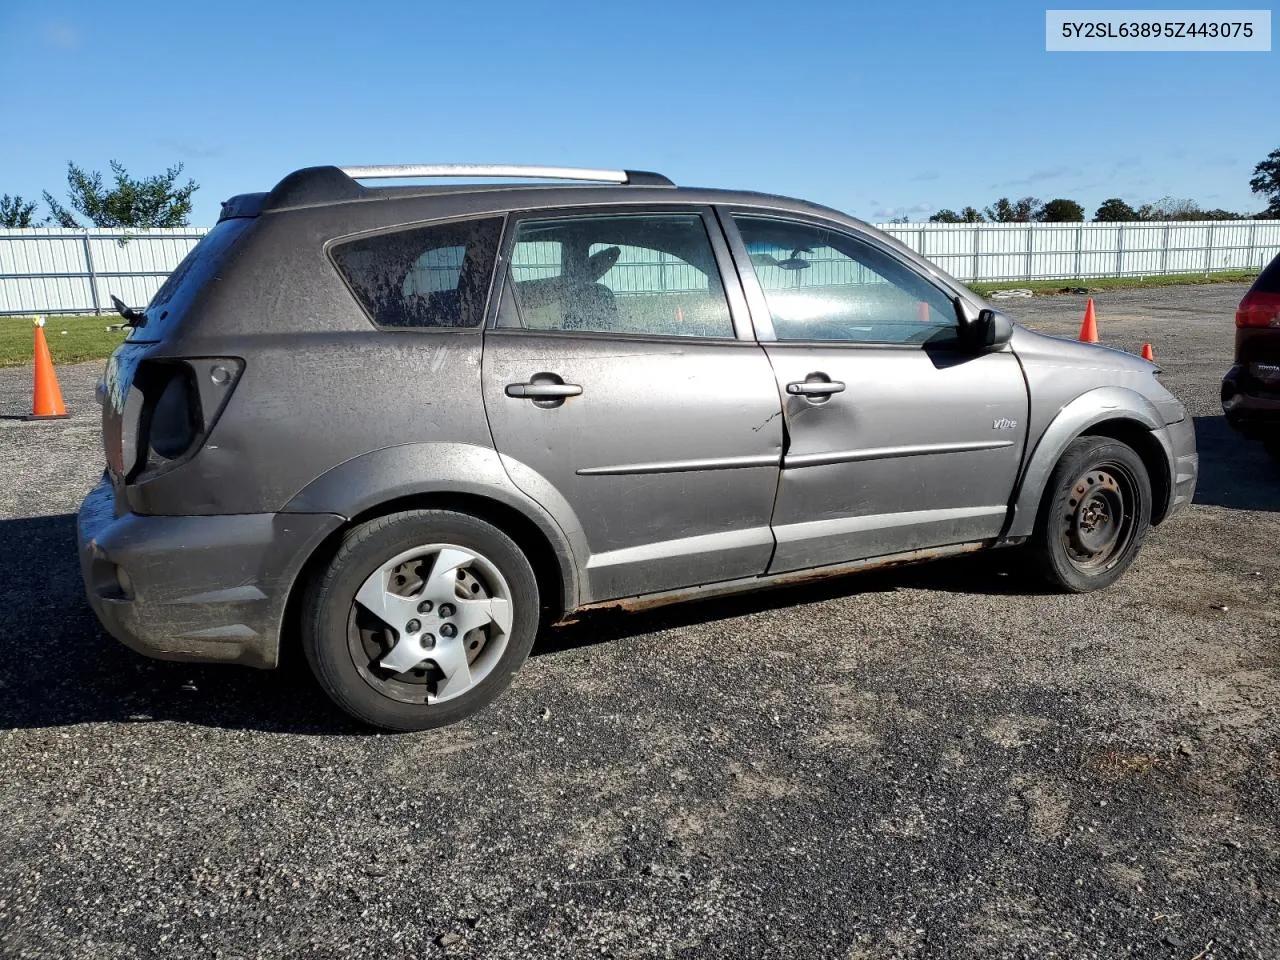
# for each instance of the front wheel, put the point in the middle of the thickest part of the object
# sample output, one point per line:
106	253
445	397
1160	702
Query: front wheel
420	619
1094	516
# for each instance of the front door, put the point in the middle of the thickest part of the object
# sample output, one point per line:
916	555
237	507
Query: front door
622	398
899	440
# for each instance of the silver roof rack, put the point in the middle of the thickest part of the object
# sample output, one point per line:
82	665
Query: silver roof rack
389	171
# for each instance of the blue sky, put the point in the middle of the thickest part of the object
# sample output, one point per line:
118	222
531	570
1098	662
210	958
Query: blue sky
881	110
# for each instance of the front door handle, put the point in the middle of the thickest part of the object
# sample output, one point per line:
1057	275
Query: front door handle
814	388
543	390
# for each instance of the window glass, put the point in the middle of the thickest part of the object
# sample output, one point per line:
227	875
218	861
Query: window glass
642	273
823	285
435	276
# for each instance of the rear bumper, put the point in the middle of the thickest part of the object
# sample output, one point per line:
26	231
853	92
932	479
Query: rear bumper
1250	405
194	588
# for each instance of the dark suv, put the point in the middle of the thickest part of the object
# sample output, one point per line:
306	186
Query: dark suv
409	425
1251	388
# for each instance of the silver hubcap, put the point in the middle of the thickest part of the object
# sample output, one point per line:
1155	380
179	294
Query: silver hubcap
430	623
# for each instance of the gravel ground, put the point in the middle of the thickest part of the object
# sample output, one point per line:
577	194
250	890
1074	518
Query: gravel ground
933	762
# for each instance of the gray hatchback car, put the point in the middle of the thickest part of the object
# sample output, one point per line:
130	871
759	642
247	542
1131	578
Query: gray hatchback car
407	426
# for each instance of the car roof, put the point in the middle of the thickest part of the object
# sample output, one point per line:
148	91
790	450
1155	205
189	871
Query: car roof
328	186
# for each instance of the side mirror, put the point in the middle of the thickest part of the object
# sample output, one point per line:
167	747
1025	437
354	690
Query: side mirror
990	330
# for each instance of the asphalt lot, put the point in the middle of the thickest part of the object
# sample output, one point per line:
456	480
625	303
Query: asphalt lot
931	762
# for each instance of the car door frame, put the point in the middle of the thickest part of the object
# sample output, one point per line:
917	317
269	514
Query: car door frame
762	325
744	338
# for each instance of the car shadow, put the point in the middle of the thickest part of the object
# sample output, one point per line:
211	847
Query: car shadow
1235	472
58	667
995	573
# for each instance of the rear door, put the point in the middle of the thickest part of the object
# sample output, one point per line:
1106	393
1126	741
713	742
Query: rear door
627	396
898	439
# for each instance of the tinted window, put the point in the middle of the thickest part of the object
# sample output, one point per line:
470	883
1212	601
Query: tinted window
1269	280
646	274
435	276
823	285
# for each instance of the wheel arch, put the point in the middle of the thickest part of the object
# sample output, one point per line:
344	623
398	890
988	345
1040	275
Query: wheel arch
459	477
1115	412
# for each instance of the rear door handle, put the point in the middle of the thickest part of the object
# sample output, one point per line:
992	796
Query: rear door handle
814	388
543	391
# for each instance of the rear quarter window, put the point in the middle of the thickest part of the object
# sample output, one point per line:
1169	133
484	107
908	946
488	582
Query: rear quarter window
423	277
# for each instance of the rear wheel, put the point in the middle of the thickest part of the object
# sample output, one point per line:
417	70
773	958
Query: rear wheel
421	619
1094	516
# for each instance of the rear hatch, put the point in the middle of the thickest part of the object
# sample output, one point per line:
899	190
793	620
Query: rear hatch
1258	330
141	396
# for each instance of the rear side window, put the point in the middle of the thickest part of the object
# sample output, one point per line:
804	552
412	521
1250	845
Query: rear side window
426	277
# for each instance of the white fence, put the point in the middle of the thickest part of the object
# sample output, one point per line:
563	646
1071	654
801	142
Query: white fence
1061	251
52	270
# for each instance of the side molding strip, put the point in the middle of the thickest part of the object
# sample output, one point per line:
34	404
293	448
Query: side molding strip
888	453
682	466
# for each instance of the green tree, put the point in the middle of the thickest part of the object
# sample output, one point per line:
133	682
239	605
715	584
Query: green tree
155	201
1171	208
1006	211
1266	182
1114	210
16	212
946	215
1060	211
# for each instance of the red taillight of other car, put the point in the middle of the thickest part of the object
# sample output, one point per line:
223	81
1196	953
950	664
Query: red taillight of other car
1259	309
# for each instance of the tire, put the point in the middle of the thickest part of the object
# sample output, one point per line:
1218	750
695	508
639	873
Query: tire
1079	545
484	609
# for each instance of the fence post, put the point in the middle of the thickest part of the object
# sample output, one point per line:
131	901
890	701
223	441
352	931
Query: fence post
1208	250
1253	244
1030	247
93	277
1164	250
1120	250
1079	245
977	249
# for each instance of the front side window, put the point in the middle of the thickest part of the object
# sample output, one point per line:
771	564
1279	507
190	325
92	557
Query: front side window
430	277
823	285
650	274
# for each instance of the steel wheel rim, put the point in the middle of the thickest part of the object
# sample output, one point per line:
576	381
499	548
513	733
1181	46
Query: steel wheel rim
1096	523
430	623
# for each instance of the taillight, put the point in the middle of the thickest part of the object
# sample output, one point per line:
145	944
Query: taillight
175	418
1259	309
174	406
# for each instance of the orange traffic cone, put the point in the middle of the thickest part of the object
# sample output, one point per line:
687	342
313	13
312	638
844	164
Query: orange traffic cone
47	402
1147	354
1089	329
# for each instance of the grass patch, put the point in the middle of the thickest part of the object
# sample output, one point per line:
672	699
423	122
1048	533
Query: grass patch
1099	284
86	338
